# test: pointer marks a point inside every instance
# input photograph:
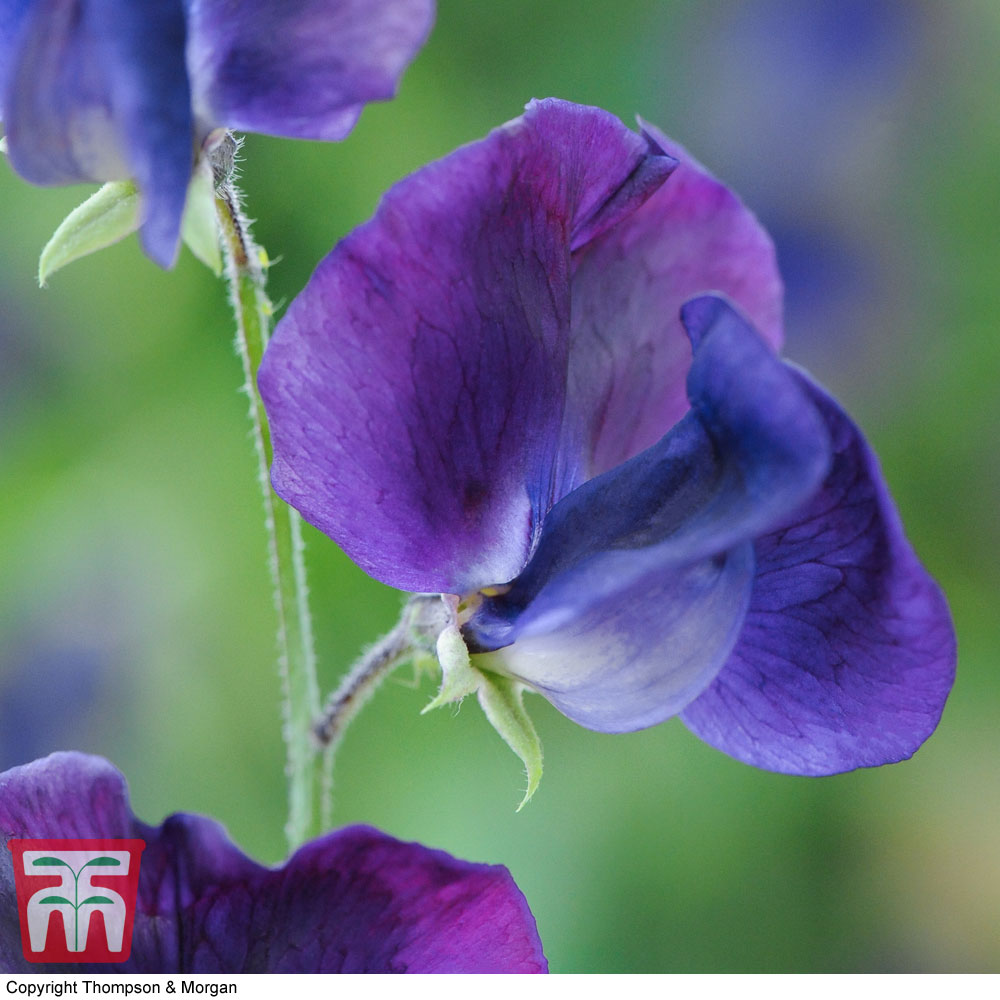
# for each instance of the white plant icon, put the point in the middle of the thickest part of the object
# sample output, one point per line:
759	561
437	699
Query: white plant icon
75	897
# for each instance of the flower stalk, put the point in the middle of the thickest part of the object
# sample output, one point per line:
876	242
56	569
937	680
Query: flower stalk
246	265
423	617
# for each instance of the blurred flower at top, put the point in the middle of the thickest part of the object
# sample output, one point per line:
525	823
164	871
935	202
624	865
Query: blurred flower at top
106	90
803	103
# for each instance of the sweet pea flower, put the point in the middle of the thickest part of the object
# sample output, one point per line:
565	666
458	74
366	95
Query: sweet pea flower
489	391
352	901
105	90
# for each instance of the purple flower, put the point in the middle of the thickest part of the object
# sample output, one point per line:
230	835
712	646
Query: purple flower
351	901
99	90
489	390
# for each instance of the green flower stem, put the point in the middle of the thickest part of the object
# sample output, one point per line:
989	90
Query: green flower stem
245	269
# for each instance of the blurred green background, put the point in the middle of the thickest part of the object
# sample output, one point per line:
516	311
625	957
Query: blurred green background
135	609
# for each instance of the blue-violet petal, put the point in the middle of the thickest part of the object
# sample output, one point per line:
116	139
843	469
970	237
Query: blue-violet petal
98	91
638	587
848	650
299	68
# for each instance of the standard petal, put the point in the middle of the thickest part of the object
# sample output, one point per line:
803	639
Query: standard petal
630	356
637	590
352	901
299	68
848	650
415	388
99	92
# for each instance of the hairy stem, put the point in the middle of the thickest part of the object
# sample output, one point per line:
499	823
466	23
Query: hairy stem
245	269
423	617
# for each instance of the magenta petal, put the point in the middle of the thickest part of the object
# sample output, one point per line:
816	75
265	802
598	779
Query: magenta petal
300	68
415	388
351	901
400	908
848	651
630	355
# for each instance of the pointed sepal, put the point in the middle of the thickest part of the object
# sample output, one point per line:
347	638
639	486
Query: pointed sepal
107	216
502	699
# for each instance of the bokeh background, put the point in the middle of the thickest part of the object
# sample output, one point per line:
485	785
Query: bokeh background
135	617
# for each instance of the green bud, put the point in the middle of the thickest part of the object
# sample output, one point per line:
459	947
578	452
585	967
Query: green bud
104	218
199	228
458	678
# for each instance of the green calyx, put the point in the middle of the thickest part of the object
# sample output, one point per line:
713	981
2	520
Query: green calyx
115	211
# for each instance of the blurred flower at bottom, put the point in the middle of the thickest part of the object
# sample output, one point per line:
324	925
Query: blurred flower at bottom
354	900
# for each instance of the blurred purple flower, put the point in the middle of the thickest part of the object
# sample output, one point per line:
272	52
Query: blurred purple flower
482	392
99	90
351	901
46	692
824	88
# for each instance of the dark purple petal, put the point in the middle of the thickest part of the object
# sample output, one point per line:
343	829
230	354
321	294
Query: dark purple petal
299	68
351	901
415	388
848	651
638	588
98	92
630	355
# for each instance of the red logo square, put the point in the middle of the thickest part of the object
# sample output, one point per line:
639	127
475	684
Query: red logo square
76	898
